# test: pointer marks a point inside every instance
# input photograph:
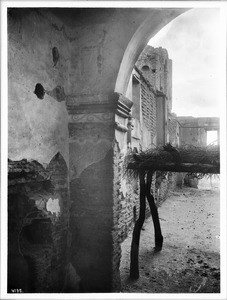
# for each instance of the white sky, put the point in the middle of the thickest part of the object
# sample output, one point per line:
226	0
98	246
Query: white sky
193	43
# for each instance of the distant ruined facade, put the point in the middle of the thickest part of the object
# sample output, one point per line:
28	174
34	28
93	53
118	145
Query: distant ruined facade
193	132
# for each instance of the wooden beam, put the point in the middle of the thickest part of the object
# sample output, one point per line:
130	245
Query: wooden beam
172	167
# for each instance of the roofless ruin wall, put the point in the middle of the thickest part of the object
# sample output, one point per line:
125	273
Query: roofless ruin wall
149	84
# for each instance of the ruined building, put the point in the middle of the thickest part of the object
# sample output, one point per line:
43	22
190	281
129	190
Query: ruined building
193	132
78	102
150	125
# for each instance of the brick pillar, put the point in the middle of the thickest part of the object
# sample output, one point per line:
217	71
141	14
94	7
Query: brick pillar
91	141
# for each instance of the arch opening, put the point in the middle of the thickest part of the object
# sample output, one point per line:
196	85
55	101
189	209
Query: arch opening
145	68
149	28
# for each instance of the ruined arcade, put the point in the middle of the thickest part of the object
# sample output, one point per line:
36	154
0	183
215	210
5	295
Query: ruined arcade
84	91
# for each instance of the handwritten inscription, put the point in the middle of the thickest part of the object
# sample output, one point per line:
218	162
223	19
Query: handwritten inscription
16	291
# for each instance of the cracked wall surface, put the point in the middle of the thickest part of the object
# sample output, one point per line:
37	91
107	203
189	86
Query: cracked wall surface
37	128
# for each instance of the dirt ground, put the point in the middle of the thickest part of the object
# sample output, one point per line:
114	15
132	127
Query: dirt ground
190	259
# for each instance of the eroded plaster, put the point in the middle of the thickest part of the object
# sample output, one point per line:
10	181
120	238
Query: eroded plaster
53	206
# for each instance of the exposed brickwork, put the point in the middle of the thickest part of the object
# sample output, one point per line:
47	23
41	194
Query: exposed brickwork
126	209
38	214
128	202
148	108
154	80
164	185
117	228
156	67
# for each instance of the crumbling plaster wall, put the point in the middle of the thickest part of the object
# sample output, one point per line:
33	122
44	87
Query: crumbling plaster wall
143	134
38	129
39	238
38	209
157	69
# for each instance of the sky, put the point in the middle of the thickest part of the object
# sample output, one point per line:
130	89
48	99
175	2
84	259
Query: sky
193	42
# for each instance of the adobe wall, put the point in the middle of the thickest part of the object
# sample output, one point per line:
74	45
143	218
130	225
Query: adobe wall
193	136
148	99
144	90
38	208
193	131
38	227
143	136
156	67
38	128
43	49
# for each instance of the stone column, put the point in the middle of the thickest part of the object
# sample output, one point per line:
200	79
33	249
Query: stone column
91	153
